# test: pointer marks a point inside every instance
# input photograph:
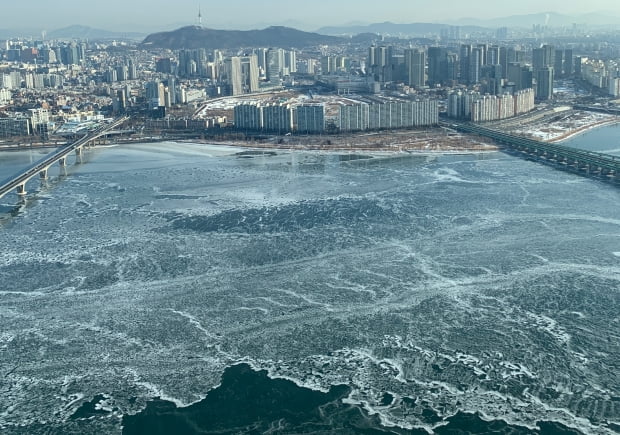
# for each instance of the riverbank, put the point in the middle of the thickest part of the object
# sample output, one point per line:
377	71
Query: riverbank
584	129
431	141
566	126
435	141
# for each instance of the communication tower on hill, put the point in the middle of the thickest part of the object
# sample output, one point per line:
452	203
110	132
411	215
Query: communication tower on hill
199	17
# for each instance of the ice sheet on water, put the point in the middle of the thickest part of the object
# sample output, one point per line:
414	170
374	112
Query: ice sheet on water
395	278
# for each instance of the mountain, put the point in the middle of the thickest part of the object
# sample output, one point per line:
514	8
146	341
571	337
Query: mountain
475	25
551	19
21	33
387	28
199	37
85	32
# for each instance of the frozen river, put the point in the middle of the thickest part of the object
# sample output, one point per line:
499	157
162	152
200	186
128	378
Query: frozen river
429	288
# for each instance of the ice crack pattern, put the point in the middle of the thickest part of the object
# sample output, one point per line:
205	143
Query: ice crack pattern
431	289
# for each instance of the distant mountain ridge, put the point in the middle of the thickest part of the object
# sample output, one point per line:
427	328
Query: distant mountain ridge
85	32
470	25
300	38
552	19
388	28
199	37
77	31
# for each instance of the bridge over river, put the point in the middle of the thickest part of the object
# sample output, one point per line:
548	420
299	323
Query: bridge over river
587	163
40	168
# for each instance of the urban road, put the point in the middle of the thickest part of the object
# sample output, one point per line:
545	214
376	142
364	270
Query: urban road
19	180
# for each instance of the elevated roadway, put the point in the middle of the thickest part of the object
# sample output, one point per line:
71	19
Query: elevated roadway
587	163
40	168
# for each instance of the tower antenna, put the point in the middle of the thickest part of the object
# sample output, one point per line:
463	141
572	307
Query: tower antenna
199	16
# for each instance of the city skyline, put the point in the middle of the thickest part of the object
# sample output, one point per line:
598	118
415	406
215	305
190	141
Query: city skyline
154	15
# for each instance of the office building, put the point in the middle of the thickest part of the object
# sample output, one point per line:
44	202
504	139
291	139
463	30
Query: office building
543	57
415	64
380	63
14	127
261	55
164	65
328	65
543	62
492	55
290	61
154	93
275	64
476	60
544	83
507	55
614	87
568	62
233	75
464	53
250	73
558	63
437	66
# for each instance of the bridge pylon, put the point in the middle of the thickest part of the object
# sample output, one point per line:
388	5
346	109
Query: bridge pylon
78	154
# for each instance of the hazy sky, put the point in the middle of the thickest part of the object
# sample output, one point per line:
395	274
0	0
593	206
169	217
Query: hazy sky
150	15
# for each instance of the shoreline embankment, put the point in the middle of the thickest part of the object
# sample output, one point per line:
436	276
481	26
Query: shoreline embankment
584	129
418	142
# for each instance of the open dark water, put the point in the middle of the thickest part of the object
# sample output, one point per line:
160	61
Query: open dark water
603	139
182	289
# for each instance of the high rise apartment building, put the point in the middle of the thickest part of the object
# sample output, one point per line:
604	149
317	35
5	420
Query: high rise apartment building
476	107
248	116
310	118
388	115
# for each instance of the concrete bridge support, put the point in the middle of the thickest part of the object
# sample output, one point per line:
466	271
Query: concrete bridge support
21	189
43	174
78	154
585	168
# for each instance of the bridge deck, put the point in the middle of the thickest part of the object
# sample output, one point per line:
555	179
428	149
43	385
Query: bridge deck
550	151
23	176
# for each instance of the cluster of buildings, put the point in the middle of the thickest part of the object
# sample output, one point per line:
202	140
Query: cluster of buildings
64	53
388	115
475	107
493	69
280	118
76	81
351	116
34	121
235	75
604	75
